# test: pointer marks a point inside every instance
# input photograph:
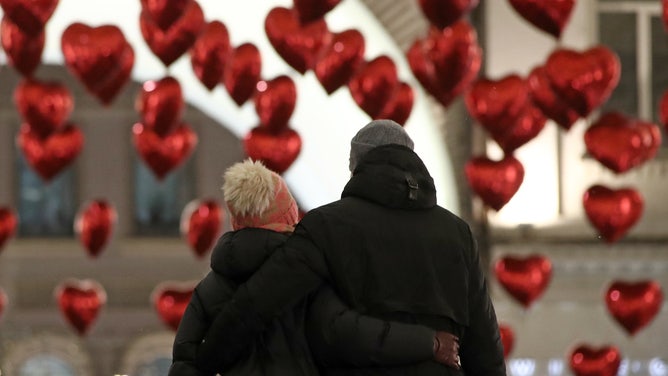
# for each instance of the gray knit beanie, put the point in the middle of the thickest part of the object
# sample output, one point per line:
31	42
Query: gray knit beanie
377	133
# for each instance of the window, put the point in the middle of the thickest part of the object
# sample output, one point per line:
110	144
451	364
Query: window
45	208
159	203
643	49
46	364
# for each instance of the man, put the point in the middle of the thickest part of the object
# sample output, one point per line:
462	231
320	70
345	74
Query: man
389	251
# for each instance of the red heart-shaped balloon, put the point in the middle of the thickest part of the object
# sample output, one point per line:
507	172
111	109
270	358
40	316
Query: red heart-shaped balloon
504	108
663	109
373	84
612	211
170	44
526	127
29	15
447	61
507	339
620	143
524	277
549	16
634	304
242	72
444	13
313	10
584	80
201	223
586	360
399	105
495	182
49	156
3	302
80	302
209	54
96	55
94	225
8	223
299	45
277	150
160	104
275	101
549	102
165	12
45	105
170	300
340	59
497	103
110	89
164	154
24	51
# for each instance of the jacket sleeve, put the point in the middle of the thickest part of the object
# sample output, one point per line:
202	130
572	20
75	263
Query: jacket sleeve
340	336
481	348
289	274
192	328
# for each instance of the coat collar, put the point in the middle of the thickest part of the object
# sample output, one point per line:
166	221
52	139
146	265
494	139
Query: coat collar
392	176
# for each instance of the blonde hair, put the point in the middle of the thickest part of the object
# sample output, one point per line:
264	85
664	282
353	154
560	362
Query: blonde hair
248	187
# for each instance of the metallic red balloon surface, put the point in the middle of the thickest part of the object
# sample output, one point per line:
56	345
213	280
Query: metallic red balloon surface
550	102
160	104
45	105
242	72
3	302
24	51
8	224
447	61
100	57
80	303
29	15
277	150
165	12
275	102
663	109
201	223
620	142
51	155
550	16
505	110
299	45
495	182
209	54
112	87
612	211
525	278
586	360
634	304
340	59
373	84
444	13
170	44
400	104
163	154
493	102
313	10
584	80
507	339
170	300
94	225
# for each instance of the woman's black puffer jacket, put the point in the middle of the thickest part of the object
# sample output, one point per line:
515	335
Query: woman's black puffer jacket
282	349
